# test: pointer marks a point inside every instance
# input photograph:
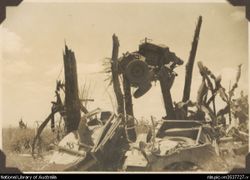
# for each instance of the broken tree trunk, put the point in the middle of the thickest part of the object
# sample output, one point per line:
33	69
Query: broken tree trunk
115	75
166	80
129	109
190	63
128	97
72	102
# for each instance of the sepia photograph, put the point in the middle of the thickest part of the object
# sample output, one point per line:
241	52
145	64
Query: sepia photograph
122	86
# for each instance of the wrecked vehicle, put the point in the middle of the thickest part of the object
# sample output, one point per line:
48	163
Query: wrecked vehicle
84	148
184	141
106	141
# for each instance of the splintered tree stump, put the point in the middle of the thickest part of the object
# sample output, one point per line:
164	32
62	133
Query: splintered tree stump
72	102
115	75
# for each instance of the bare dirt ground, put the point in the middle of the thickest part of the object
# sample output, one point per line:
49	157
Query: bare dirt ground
25	162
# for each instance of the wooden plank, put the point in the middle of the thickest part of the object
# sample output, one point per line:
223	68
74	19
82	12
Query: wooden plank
92	113
226	139
71	151
110	133
183	132
198	136
103	132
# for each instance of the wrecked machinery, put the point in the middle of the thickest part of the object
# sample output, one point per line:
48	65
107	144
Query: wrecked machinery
104	141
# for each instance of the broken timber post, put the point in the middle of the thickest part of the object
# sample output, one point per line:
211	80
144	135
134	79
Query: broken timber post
72	102
190	63
115	75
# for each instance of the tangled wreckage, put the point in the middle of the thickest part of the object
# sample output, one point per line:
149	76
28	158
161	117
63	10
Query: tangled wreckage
105	141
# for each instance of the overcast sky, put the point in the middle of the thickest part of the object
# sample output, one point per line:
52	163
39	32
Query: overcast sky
33	37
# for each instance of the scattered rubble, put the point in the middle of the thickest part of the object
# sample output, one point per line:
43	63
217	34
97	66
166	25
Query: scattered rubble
108	141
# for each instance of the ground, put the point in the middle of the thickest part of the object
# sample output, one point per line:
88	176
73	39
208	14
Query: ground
25	162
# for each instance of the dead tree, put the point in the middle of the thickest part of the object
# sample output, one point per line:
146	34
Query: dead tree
115	75
227	97
70	111
207	85
166	79
22	125
190	63
57	107
125	106
72	102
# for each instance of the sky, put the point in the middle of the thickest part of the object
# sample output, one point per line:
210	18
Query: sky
33	35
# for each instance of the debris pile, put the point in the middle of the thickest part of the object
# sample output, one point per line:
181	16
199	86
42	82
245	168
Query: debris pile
105	141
